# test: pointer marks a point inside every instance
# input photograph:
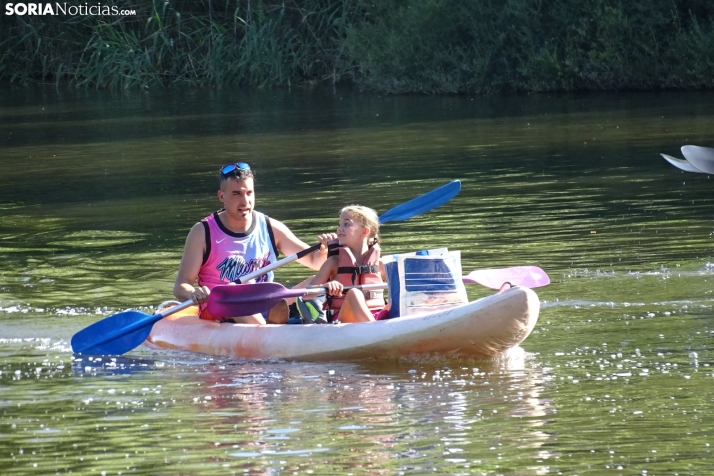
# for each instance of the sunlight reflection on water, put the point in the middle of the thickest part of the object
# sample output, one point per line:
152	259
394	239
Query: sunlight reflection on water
616	375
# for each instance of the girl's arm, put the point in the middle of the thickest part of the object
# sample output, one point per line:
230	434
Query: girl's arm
326	271
325	277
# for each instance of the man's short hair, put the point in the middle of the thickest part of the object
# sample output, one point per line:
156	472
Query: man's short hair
238	173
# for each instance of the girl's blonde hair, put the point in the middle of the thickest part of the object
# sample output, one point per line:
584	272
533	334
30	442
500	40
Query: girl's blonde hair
367	217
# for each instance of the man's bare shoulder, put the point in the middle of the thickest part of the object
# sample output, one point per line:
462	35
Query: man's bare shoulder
197	234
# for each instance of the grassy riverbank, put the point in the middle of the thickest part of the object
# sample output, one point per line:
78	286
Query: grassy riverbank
393	46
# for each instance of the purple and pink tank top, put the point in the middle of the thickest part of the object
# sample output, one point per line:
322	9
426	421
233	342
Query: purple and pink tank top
229	255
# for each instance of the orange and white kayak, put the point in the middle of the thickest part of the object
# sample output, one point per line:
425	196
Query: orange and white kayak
485	328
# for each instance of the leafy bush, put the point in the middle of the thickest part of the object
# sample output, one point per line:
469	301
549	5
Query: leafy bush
393	46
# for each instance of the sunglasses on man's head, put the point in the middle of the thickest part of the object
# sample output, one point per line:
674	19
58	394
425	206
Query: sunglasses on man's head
230	168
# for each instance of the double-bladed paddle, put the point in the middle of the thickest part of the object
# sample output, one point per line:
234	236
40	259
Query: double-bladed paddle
122	332
413	207
245	299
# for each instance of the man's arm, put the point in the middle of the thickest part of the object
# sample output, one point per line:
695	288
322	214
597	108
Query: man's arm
289	244
190	265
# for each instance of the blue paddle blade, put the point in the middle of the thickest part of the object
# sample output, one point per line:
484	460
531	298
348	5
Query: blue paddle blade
115	334
423	203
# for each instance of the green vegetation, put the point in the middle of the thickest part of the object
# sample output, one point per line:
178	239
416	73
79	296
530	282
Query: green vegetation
394	46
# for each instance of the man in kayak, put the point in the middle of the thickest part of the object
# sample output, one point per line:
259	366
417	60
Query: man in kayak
235	242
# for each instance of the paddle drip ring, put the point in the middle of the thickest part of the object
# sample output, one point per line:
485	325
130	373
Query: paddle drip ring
166	305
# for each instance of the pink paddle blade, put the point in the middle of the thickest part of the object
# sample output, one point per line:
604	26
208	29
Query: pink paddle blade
526	276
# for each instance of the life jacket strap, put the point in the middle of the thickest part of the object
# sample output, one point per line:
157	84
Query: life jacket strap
358	269
354	271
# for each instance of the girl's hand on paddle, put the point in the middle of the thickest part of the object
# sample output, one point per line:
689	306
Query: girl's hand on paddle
334	288
325	240
200	295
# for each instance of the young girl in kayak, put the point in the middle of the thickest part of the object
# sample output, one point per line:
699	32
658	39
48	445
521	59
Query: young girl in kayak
356	263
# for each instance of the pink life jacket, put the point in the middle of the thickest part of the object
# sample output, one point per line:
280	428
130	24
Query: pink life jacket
349	273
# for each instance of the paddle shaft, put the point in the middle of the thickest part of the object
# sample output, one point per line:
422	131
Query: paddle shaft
323	289
246	299
526	276
288	259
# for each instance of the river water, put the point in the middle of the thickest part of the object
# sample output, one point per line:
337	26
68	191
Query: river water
97	194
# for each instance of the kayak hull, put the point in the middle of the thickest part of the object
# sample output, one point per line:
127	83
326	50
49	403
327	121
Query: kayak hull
484	329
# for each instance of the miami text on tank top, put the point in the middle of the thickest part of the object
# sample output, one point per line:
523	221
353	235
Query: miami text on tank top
229	255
